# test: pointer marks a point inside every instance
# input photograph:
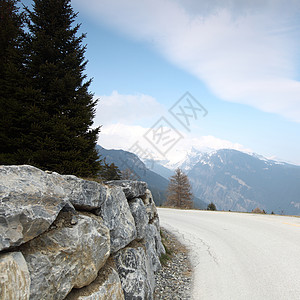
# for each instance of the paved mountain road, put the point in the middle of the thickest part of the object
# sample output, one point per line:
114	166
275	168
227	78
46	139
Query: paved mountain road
239	256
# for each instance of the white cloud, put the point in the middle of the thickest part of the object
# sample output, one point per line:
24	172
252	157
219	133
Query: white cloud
245	51
122	136
213	143
126	109
205	143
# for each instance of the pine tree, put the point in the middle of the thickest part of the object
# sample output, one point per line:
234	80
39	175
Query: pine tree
60	111
12	57
179	191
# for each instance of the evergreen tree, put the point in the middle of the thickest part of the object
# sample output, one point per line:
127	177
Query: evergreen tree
109	171
179	191
211	206
60	111
12	57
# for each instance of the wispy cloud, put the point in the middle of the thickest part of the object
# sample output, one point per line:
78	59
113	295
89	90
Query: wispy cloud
245	51
126	109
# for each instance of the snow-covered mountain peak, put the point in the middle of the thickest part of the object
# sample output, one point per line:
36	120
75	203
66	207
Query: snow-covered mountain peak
186	160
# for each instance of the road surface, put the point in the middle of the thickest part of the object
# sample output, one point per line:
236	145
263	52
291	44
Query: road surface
239	256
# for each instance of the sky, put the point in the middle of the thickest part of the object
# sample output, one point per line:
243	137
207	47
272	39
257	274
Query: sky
210	74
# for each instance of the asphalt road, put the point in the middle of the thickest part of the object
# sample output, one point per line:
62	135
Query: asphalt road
239	256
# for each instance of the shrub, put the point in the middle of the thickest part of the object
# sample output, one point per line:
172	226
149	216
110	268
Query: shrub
211	206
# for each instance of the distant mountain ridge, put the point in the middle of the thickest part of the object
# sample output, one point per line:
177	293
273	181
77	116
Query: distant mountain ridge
156	183
124	159
234	180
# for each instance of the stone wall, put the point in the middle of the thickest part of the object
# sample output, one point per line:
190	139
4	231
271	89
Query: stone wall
62	237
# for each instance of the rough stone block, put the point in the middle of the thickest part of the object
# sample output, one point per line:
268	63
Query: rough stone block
14	277
107	286
131	188
30	201
84	194
151	248
138	211
66	256
117	217
150	205
136	275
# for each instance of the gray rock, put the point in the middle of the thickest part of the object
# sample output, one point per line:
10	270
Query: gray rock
107	286
136	275
132	189
74	220
25	179
150	244
160	249
138	211
67	256
30	201
69	208
155	222
118	218
150	205
14	277
84	194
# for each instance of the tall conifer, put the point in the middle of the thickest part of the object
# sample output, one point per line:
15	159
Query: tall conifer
12	58
61	109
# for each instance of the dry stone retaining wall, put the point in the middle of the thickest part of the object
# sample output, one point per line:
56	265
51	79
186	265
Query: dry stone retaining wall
62	237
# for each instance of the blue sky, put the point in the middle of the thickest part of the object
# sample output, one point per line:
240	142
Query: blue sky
239	59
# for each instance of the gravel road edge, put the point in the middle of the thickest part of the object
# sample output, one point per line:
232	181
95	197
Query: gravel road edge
174	279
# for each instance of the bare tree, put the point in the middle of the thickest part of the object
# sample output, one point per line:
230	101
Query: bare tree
128	174
179	191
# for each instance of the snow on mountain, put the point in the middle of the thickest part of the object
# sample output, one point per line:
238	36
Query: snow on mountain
191	158
194	156
269	160
234	180
240	181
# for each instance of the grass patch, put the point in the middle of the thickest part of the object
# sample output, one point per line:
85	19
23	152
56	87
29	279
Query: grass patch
164	258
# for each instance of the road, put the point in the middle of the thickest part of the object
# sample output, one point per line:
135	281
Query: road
239	256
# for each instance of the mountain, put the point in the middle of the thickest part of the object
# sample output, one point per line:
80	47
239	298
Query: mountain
127	160
156	183
237	181
159	168
191	159
231	179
